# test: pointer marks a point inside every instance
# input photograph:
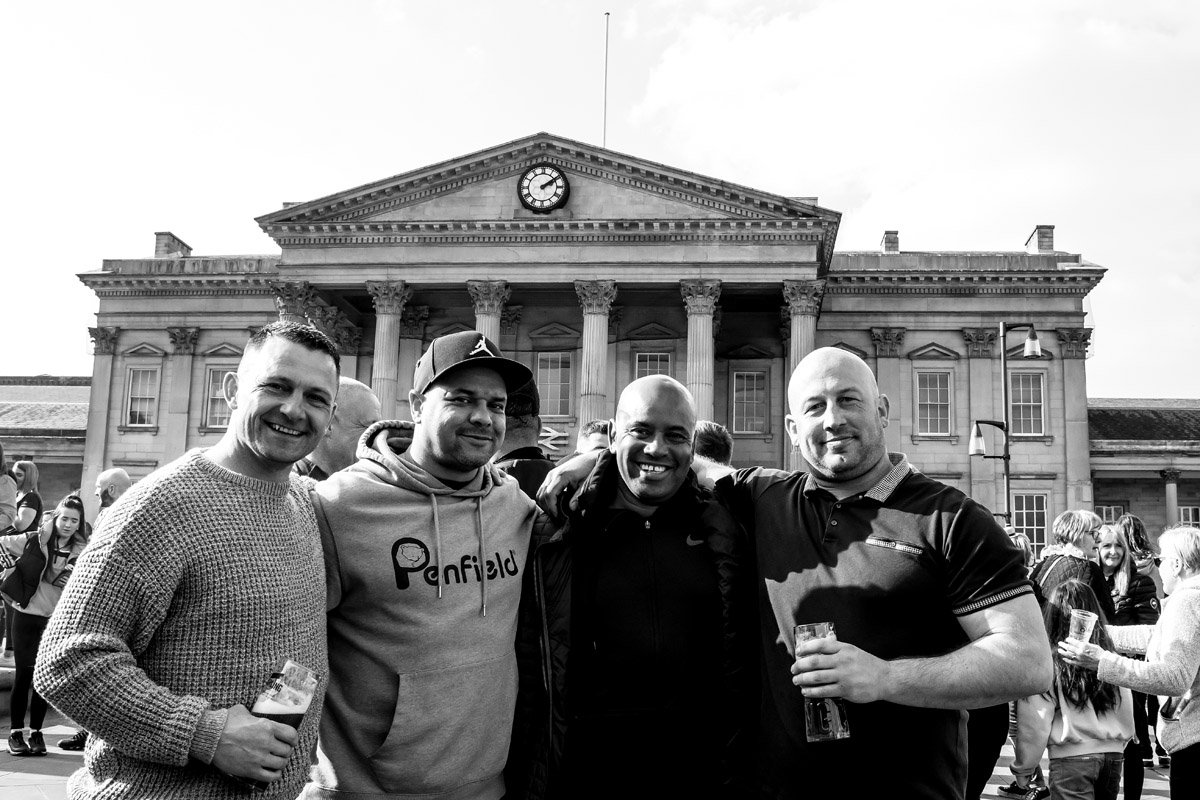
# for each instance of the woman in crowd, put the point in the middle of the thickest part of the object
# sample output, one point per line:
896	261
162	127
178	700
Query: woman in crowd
29	514
1136	603
1084	721
1171	668
41	562
1074	548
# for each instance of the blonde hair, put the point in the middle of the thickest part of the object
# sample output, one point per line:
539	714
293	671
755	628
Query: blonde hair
1123	574
1184	542
1071	526
29	476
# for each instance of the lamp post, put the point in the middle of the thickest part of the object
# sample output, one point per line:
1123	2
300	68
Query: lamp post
1033	349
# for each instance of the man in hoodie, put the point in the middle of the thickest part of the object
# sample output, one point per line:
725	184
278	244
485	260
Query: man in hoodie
424	552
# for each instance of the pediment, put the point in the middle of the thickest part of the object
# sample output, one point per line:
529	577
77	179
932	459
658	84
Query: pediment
933	351
652	330
748	351
849	348
554	330
224	349
1017	354
454	327
145	349
605	185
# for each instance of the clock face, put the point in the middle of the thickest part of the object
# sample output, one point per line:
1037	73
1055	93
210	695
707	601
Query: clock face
543	188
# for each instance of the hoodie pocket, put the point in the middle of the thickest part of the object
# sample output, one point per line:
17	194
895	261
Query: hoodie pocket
451	727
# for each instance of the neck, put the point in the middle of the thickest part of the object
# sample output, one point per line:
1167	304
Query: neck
848	488
230	454
418	452
627	499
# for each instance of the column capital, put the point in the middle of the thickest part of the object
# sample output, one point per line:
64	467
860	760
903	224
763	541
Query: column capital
887	341
292	298
104	340
803	297
700	296
615	315
1074	341
389	297
596	297
489	297
510	317
1170	475
183	340
332	322
412	322
979	341
348	338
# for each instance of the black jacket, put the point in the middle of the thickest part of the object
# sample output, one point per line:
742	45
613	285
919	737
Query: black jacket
1058	568
1139	605
545	633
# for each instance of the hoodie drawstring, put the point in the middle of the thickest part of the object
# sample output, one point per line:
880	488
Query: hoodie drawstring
482	563
437	543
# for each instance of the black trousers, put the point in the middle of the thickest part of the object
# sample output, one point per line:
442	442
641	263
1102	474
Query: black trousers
27	638
1185	772
987	728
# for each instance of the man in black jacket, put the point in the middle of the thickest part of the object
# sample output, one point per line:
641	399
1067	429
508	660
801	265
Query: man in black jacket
638	617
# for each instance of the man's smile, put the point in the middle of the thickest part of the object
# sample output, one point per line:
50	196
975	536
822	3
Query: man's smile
284	430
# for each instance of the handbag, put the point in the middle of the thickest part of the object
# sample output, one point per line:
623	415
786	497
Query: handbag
21	582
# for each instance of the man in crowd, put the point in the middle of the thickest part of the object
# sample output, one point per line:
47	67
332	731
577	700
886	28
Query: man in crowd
594	435
931	606
641	603
357	409
424	555
197	584
714	441
110	485
524	459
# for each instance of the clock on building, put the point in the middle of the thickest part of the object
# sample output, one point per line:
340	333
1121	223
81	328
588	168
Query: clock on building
543	188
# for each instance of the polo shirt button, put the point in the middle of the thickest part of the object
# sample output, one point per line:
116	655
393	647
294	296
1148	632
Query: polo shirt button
833	522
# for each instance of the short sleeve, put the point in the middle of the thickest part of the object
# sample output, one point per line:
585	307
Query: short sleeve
984	568
739	490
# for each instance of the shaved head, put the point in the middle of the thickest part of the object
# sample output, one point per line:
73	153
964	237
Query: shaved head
652	438
837	418
656	389
111	484
357	409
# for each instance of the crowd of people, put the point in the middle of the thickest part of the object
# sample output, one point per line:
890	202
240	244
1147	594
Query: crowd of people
631	633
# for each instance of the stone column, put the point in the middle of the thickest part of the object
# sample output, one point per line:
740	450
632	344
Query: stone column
983	392
412	344
293	299
489	298
701	298
1171	490
1073	345
95	447
174	425
888	342
803	307
389	298
596	298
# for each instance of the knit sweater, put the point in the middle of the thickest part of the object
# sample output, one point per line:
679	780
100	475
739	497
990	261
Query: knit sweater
198	582
1172	665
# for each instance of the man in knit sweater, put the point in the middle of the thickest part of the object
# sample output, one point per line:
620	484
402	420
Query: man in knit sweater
202	578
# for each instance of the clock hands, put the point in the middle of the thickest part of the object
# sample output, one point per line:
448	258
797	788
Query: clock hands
546	183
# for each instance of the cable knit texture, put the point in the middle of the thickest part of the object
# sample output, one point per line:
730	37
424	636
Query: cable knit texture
198	582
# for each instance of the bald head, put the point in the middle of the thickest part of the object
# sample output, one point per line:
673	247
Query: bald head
111	484
652	438
837	417
357	409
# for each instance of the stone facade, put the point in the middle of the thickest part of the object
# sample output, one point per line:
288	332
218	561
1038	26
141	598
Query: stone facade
646	268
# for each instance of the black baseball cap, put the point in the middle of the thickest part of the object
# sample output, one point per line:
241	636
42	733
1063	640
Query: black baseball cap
447	353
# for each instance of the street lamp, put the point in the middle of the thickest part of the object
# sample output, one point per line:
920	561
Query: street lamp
1033	349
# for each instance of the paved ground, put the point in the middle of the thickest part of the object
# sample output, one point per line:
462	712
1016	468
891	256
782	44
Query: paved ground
45	777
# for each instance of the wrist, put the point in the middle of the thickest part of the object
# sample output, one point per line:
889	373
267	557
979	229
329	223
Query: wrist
208	734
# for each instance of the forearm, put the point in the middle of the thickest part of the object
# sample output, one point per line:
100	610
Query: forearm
993	669
1131	638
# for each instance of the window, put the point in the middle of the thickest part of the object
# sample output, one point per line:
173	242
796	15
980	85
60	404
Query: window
1109	513
749	402
216	410
554	383
1189	515
933	403
142	403
1029	517
1026	404
651	364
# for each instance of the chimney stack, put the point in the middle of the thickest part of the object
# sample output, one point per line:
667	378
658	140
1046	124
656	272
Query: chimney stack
890	242
1041	240
168	245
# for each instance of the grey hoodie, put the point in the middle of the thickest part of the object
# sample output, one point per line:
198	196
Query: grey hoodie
423	584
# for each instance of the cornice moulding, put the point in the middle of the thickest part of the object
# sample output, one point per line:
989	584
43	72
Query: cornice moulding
962	283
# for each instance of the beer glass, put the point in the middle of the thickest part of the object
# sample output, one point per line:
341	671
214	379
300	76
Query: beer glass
824	717
1082	623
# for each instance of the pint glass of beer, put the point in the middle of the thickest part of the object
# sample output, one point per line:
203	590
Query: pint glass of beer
824	717
285	699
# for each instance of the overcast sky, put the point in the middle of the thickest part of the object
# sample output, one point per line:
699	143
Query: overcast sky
962	124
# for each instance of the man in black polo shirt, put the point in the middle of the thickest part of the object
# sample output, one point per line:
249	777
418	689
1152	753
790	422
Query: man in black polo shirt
932	608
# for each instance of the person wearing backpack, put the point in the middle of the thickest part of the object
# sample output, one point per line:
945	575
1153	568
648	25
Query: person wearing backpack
1075	548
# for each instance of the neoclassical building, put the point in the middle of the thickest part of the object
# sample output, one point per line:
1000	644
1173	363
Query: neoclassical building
595	267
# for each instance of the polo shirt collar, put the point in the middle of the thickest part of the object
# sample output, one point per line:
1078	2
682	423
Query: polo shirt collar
881	491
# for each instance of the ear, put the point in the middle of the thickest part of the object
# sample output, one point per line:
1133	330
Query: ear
793	429
884	407
612	436
415	404
229	386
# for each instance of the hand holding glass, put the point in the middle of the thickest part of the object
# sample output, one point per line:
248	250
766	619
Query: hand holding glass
824	717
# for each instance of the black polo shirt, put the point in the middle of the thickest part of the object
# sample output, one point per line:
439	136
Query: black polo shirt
893	568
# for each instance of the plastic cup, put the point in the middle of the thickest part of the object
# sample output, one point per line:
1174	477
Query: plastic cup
825	718
1082	624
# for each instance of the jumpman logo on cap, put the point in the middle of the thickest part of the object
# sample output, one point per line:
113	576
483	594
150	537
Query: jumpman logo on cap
481	347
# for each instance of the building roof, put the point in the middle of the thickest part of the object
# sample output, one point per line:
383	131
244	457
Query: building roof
44	405
1144	419
27	417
